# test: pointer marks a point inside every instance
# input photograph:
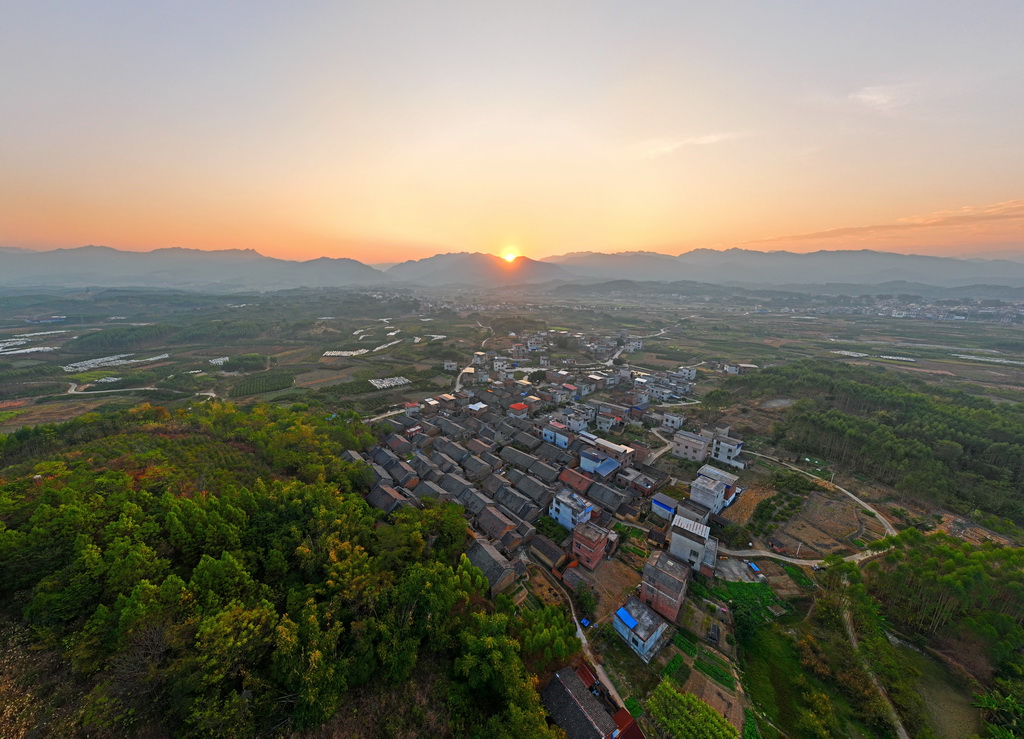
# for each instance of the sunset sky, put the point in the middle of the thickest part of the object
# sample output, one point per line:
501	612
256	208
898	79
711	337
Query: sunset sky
385	131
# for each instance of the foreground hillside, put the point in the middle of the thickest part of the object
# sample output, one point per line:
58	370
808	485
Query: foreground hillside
217	573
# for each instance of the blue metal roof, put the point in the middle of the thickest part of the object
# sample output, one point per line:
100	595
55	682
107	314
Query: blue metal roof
624	616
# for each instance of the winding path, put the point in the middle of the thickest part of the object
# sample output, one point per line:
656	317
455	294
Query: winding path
73	390
657	455
458	380
889	528
748	553
851	634
598	668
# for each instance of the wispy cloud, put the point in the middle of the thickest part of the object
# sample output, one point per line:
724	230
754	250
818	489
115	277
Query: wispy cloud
1005	211
882	98
656	148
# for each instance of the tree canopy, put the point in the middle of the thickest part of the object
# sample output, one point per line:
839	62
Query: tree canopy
217	573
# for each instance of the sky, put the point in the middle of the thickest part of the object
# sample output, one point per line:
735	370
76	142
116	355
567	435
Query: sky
385	131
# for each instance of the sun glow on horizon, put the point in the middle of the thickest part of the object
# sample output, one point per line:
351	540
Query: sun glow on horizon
510	254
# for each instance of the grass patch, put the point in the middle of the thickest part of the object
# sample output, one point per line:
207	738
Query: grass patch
629	531
633	706
635	677
6	416
751	602
551	529
798	576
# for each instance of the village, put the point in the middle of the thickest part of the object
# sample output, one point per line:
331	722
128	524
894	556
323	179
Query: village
559	514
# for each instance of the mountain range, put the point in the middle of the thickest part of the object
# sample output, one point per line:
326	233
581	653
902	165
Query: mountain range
237	269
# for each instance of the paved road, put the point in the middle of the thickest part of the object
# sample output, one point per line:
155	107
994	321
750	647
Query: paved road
657	455
458	380
748	553
395	412
73	390
889	528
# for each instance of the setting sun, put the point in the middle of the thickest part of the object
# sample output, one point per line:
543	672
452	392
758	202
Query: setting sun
510	254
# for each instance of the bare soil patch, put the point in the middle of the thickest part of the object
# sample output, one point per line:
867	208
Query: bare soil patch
541	587
56	412
815	542
781	583
727	704
612	582
836	516
741	511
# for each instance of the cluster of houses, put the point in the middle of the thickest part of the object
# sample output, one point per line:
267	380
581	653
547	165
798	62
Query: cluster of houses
507	471
711	442
511	451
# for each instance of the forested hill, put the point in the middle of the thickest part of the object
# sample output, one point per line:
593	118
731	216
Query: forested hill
941	446
215	572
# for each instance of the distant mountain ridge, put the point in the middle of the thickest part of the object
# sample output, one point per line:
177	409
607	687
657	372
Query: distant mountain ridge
750	267
236	269
177	267
476	269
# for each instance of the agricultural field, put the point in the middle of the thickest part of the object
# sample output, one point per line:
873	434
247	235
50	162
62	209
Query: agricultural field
112	343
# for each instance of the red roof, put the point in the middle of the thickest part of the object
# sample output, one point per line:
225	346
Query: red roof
628	727
584	674
518	407
576	480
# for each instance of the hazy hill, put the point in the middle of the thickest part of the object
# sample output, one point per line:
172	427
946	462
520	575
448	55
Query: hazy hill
176	267
244	269
633	265
480	270
749	267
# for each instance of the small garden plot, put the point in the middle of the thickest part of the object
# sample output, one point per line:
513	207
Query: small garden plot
674	664
628	532
793	489
686	641
716	669
743	509
551	529
753	603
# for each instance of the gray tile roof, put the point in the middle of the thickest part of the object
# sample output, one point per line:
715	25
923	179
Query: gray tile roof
574	708
495	567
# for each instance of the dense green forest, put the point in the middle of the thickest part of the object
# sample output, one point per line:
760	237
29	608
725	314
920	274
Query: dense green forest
216	572
968	601
945	446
